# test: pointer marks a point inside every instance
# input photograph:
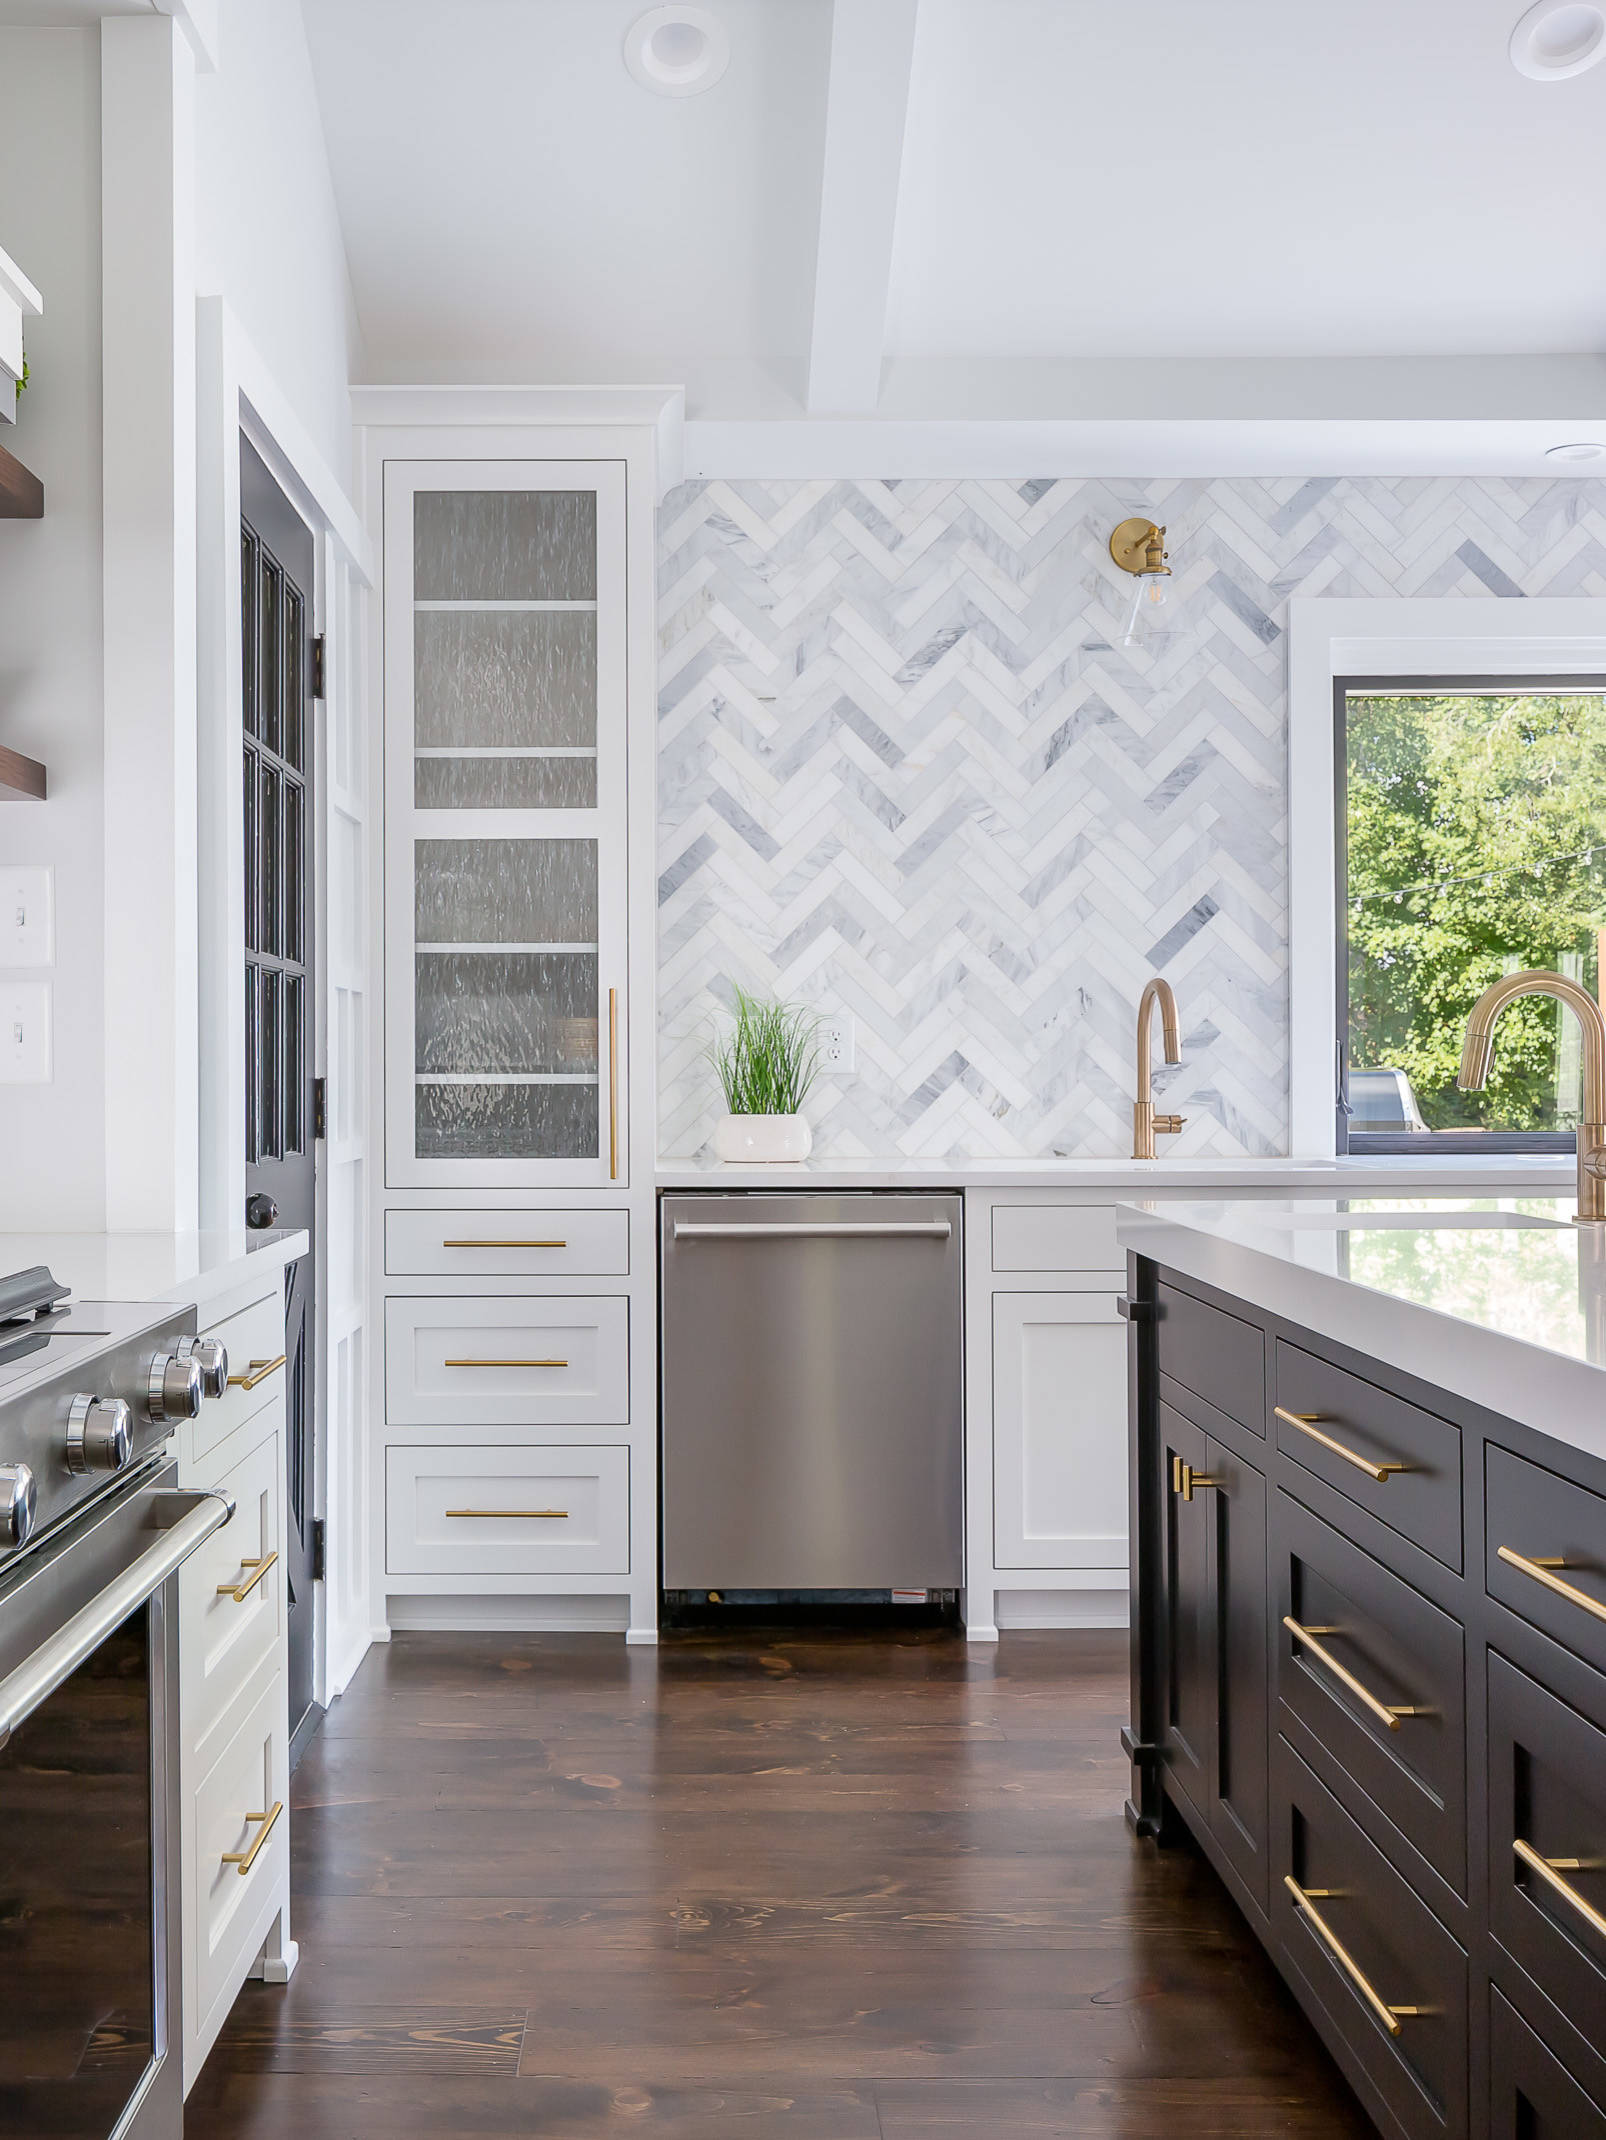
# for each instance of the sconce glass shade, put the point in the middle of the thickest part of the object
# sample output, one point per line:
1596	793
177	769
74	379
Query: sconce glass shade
1151	591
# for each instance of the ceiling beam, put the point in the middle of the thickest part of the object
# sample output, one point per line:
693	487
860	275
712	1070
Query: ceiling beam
872	49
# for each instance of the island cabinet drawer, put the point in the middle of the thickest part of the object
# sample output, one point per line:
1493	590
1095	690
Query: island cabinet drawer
517	1361
469	1512
507	1244
1057	1237
1532	2095
1377	1675
1387	1975
231	1590
239	1838
1545	1552
254	1341
1400	1463
1547	1842
1216	1355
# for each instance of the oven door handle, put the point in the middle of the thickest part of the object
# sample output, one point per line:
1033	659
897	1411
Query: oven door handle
185	1518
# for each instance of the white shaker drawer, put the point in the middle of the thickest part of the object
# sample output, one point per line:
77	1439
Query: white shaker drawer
255	1342
231	1591
1055	1237
511	1362
507	1511
239	1846
507	1244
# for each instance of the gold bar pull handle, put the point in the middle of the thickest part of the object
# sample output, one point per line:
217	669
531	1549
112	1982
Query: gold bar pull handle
504	1363
1389	2017
259	1372
245	1859
504	1244
241	1590
555	1515
1387	1713
1186	1481
1541	1572
1546	1868
1306	1423
613	1084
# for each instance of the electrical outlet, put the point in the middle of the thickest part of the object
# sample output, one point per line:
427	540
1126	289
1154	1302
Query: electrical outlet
838	1045
24	1032
27	932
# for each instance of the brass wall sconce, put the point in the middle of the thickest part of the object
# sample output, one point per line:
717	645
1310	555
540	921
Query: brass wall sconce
1138	547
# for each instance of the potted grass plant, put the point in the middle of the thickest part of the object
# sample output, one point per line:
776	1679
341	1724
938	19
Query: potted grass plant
767	1059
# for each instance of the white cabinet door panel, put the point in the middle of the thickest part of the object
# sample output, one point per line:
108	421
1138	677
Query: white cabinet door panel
1059	1431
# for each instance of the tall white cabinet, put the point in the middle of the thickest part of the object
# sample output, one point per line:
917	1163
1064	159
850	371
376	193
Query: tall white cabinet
517	1443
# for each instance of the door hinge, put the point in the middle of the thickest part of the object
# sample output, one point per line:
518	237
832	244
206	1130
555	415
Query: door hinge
319	1549
317	665
320	1107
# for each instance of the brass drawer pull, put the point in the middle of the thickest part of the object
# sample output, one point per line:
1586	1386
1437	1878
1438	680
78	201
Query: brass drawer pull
1547	1869
245	1859
504	1244
1186	1481
1306	1423
259	1372
1387	1713
558	1515
1540	1571
507	1363
241	1590
1389	2016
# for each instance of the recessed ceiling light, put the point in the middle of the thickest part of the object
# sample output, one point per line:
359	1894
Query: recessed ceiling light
677	51
1559	38
1583	449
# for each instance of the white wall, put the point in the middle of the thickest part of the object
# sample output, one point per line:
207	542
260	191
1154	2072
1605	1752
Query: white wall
267	233
52	1143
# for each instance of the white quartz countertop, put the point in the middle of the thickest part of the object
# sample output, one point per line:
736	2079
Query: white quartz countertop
1457	1176
185	1267
1497	1299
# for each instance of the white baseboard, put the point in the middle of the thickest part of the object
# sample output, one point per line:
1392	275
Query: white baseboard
490	1614
1063	1608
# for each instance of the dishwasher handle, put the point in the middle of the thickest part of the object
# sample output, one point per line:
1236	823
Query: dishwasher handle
816	1230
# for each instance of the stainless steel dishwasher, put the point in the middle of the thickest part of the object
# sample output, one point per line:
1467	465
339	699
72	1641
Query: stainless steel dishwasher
812	1392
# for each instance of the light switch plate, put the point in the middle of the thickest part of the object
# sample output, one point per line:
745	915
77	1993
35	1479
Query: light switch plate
27	917
24	1032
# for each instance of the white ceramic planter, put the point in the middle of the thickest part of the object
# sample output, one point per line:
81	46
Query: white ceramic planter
762	1139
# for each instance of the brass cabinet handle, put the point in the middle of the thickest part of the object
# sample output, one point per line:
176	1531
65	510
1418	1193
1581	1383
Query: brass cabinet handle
1389	2016
1547	1869
1186	1481
260	1371
242	1590
505	1363
557	1515
1540	1571
1387	1713
504	1244
245	1859
613	1084
1306	1423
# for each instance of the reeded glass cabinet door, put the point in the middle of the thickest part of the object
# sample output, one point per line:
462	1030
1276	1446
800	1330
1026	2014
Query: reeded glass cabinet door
506	825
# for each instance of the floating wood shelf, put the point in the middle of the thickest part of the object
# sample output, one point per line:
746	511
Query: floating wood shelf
22	495
21	779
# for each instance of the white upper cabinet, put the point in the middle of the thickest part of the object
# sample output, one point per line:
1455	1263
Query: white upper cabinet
506	823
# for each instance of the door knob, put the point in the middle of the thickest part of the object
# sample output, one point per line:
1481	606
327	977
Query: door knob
261	1210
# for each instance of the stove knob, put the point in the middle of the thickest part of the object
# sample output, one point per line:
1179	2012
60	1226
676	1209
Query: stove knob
175	1388
100	1434
19	1502
211	1357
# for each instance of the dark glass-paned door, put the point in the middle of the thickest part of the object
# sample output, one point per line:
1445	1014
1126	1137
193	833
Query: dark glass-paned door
276	566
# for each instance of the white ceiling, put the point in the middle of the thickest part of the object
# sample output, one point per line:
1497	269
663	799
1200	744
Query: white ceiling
1242	180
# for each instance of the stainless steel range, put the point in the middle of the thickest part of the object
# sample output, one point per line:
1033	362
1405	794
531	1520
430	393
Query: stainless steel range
92	1533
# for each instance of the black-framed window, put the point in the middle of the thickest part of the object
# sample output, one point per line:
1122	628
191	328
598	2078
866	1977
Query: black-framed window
1470	840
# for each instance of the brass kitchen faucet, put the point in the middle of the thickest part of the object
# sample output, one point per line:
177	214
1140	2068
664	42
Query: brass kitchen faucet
1477	1056
1145	1122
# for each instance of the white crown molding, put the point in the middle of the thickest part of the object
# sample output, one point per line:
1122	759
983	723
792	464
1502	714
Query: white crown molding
659	409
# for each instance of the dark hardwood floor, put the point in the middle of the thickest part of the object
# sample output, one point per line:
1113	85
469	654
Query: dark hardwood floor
812	1888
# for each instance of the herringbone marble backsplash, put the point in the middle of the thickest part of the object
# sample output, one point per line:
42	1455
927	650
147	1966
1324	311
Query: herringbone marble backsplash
907	771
